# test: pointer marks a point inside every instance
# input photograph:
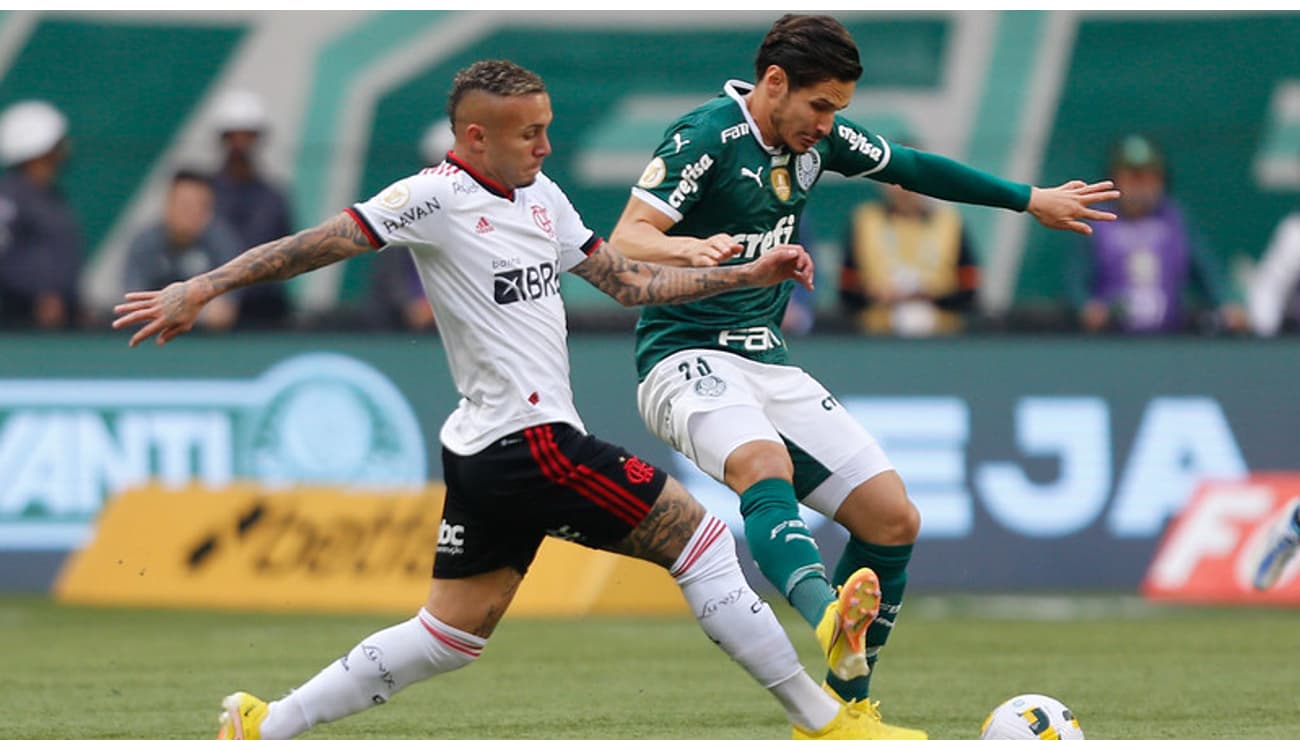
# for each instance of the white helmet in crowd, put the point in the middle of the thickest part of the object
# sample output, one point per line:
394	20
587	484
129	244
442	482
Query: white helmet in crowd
437	141
29	129
240	110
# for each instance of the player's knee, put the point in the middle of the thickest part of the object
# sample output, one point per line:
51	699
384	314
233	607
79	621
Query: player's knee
901	526
912	522
756	461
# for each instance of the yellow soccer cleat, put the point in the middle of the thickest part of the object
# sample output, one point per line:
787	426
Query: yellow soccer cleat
859	720
241	717
842	632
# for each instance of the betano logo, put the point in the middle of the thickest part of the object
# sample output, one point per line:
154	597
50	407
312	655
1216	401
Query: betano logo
66	446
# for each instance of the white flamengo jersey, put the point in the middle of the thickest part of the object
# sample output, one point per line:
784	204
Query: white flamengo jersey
490	260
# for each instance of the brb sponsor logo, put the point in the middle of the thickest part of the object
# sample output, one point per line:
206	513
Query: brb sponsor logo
66	446
524	284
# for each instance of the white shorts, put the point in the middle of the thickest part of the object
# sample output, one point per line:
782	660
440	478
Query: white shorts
705	403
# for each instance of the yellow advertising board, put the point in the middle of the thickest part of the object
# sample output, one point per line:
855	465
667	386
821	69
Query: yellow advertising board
322	549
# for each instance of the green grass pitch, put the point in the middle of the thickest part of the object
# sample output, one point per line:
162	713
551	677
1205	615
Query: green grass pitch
1129	670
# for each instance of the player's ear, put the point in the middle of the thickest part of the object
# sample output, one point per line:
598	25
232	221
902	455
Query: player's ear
475	134
775	81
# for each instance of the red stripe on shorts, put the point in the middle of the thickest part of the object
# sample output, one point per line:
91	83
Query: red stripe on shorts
620	494
545	453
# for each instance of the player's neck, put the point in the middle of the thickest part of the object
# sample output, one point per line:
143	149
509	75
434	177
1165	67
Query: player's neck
761	111
478	165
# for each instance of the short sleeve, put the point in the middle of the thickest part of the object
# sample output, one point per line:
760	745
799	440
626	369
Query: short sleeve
676	178
853	151
407	212
576	240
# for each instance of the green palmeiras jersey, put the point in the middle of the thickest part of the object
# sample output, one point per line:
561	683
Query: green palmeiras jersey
712	174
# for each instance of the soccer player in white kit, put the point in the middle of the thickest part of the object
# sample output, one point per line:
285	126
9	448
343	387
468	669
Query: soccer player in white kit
490	235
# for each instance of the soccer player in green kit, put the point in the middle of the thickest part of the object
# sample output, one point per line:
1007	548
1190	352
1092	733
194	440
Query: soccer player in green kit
715	381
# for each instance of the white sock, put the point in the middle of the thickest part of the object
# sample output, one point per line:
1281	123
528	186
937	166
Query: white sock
744	626
378	666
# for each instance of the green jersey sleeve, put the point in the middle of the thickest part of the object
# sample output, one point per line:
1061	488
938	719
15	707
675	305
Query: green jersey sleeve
855	152
681	170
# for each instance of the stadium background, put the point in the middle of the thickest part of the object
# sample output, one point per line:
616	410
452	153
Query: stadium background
1110	436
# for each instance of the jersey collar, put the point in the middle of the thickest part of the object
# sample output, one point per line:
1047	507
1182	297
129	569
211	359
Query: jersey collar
488	185
736	89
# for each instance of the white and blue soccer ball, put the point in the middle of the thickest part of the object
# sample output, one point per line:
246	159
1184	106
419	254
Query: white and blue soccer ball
1031	717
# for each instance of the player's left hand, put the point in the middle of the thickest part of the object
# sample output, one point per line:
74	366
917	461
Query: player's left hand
1065	206
168	312
780	263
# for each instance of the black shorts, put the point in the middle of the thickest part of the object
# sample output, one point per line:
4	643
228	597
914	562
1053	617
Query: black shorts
549	480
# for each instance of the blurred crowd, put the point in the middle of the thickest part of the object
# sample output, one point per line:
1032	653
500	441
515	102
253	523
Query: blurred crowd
908	264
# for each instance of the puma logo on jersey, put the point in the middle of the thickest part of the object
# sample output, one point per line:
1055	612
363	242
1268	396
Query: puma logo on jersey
757	176
679	141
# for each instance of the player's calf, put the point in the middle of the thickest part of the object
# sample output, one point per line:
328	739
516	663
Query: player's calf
368	675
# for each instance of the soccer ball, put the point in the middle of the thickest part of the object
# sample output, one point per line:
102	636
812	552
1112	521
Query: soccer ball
1031	717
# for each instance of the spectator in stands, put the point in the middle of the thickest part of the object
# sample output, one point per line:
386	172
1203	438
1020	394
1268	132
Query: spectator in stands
1272	293
396	300
909	268
1131	274
189	240
256	209
41	244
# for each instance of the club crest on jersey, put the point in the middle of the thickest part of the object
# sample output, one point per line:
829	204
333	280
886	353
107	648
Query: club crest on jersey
781	183
396	197
543	221
806	168
654	174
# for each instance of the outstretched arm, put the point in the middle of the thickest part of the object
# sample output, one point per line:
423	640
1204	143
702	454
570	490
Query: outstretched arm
632	282
1062	207
171	311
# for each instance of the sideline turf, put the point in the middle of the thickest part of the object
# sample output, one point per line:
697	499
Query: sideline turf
1129	671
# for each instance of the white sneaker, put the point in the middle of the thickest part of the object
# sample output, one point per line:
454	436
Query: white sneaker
1282	545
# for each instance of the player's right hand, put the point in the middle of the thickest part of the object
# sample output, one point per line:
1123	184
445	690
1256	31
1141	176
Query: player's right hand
714	250
168	312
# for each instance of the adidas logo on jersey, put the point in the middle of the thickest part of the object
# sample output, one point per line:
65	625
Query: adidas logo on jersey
483	226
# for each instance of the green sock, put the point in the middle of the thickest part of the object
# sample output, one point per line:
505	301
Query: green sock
784	549
890	564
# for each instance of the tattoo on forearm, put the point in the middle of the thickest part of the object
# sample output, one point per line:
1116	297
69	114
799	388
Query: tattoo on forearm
633	282
664	532
333	240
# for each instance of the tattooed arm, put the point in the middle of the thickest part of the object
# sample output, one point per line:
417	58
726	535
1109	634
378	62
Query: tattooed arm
171	311
633	282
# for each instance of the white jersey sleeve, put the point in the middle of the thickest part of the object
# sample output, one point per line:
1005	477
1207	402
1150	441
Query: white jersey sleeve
575	239
407	212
